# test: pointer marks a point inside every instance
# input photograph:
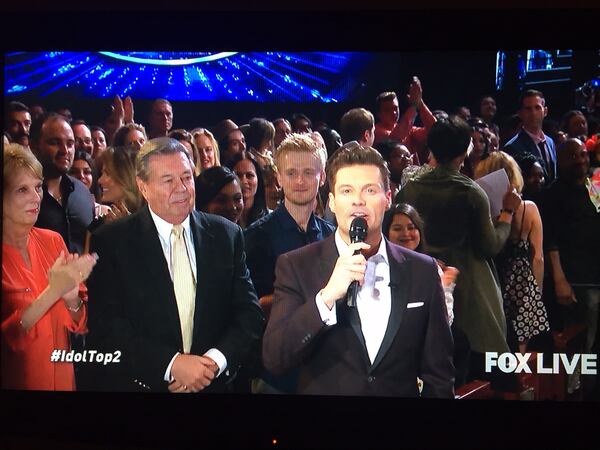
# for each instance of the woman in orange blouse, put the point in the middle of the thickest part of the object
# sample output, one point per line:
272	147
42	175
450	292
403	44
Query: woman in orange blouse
41	288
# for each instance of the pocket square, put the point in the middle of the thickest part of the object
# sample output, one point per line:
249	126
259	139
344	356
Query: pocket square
415	305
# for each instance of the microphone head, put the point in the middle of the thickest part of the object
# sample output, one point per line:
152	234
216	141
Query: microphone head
358	229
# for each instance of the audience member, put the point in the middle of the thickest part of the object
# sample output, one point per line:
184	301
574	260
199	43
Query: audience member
512	125
132	135
233	144
358	125
571	217
218	191
99	141
479	151
463	112
313	329
531	139
18	123
253	187
273	191
398	158
259	140
575	125
332	140
83	137
403	130
283	128
533	176
521	262
223	128
186	316
185	138
67	206
66	113
84	170
208	150
160	119
118	185
37	111
467	242
42	291
301	171
301	123
487	111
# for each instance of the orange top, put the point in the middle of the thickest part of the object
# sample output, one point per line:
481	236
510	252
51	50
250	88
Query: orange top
26	356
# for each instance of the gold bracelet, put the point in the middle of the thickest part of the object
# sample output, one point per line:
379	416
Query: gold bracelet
76	309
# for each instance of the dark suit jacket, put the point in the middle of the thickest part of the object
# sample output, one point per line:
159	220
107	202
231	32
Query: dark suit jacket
132	305
334	360
522	143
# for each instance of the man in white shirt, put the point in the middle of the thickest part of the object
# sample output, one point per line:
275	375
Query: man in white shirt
173	295
398	330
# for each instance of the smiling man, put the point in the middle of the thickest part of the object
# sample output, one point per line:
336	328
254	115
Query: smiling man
67	206
172	292
398	330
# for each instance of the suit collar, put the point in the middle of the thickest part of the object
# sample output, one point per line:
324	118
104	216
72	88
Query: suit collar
399	285
152	260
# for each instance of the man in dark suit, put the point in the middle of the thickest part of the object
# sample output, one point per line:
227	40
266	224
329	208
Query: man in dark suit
397	331
531	139
173	294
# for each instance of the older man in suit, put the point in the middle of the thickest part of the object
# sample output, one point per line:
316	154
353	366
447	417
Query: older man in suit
531	139
173	294
397	331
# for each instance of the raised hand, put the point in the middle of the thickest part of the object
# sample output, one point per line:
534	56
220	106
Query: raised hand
415	92
128	110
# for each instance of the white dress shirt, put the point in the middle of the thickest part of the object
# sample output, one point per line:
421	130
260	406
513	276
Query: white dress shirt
164	229
374	299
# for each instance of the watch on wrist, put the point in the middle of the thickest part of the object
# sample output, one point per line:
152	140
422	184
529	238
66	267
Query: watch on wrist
77	308
509	211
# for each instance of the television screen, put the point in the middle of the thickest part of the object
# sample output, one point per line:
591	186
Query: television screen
536	387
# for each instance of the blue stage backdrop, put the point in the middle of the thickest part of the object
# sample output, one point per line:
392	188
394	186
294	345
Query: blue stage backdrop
205	76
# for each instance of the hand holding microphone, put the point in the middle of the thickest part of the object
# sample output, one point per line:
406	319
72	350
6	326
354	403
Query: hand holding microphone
349	270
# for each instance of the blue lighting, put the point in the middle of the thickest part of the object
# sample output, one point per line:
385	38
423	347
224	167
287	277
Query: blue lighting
201	76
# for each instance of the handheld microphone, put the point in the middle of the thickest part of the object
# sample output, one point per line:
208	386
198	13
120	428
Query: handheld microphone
358	233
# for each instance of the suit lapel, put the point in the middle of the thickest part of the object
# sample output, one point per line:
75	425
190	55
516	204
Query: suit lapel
350	316
157	271
534	149
399	286
203	248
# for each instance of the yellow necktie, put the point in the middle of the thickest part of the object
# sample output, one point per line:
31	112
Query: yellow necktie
184	285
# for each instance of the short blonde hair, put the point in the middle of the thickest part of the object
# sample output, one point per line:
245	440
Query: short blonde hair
18	157
500	160
297	142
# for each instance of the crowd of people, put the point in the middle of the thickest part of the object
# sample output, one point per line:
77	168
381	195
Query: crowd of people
219	258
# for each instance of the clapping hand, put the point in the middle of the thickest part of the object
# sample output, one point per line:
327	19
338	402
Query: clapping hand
68	271
415	92
116	211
